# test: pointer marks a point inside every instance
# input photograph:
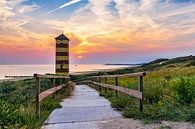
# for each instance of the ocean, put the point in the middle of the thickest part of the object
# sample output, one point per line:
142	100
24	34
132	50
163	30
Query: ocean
29	70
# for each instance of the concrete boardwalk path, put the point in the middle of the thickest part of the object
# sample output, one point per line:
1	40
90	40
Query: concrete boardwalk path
84	110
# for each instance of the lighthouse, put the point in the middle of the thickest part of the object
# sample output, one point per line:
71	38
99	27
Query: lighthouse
62	55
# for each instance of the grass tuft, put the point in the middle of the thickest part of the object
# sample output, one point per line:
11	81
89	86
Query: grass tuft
17	103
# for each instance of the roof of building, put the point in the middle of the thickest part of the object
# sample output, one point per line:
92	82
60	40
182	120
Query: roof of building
62	37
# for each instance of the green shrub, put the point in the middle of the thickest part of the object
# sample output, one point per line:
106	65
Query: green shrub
121	102
17	103
109	94
184	89
10	116
132	112
191	115
154	90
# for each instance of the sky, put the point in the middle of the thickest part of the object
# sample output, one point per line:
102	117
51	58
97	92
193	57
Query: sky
100	31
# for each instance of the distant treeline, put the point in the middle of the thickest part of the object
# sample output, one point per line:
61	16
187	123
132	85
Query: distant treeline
125	64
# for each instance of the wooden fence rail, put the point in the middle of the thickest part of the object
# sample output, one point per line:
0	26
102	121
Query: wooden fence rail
46	93
97	80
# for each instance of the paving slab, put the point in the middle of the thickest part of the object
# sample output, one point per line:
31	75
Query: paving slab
81	114
78	125
84	110
85	103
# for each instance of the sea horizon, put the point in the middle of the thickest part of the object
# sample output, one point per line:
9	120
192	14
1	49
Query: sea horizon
30	69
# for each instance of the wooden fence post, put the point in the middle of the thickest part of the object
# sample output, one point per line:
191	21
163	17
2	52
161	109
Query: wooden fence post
140	88
37	88
106	83
116	83
100	80
59	81
93	83
54	85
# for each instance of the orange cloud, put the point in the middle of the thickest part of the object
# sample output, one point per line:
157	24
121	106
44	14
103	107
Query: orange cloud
128	27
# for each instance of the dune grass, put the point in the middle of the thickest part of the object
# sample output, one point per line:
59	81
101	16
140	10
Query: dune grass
169	94
17	103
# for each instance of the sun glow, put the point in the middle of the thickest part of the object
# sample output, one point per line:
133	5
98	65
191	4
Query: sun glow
80	57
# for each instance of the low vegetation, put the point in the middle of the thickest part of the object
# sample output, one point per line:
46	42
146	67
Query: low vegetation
169	94
169	97
169	90
17	103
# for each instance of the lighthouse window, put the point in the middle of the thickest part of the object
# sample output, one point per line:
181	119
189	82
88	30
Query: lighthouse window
61	41
61	66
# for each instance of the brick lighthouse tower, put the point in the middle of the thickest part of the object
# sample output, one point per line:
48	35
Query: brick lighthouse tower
62	55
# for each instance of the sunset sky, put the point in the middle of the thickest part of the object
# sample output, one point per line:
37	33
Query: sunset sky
101	31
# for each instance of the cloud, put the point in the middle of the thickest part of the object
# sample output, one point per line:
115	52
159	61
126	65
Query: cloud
14	35
143	25
27	8
64	5
101	26
11	16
